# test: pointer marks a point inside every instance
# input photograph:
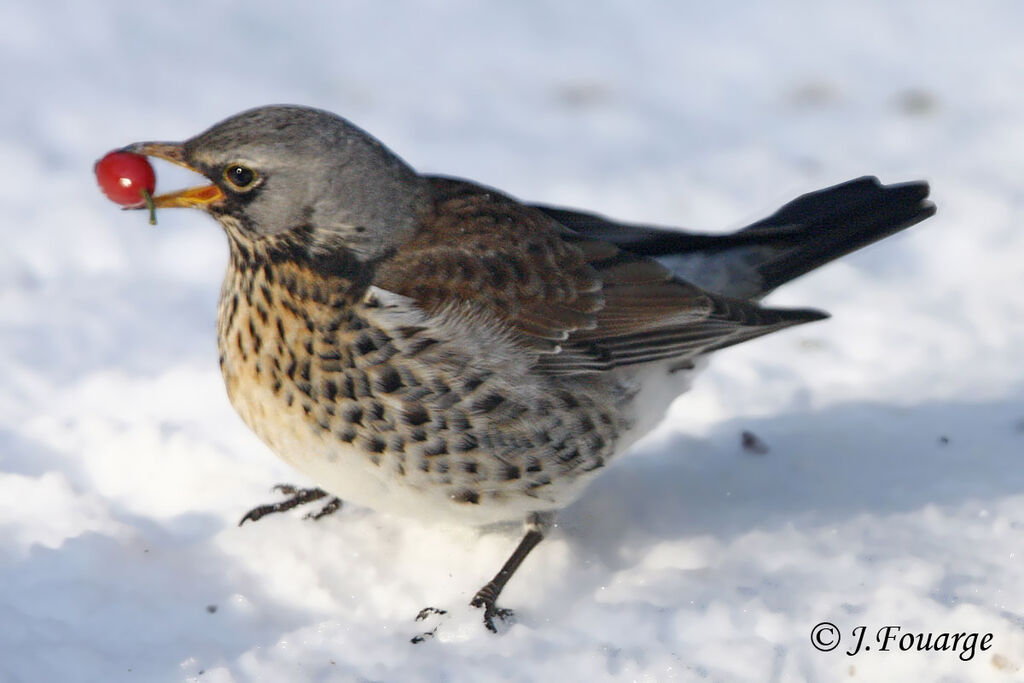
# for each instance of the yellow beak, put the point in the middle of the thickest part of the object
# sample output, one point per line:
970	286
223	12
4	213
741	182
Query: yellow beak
192	197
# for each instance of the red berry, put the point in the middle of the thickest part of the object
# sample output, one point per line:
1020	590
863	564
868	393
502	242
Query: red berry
123	176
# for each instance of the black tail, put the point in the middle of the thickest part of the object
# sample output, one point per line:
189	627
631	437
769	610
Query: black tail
822	226
805	233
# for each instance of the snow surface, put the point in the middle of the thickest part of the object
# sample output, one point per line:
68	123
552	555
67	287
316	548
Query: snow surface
893	490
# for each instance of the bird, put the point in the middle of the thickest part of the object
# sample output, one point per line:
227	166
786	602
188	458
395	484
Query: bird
432	347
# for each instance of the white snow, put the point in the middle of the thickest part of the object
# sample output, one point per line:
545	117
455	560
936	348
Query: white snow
893	491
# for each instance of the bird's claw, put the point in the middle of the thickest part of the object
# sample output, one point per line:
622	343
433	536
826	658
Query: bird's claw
329	508
491	611
296	497
426	613
429	612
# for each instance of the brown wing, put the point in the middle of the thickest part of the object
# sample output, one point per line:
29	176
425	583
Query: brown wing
478	246
584	304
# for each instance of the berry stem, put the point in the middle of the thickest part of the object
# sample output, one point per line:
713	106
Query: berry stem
149	205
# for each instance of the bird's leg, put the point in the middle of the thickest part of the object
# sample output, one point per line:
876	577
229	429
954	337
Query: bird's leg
296	497
537	524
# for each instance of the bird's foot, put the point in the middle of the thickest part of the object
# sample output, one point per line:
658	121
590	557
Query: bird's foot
296	497
424	614
486	598
482	599
328	509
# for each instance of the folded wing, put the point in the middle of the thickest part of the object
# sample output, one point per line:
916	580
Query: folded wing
583	305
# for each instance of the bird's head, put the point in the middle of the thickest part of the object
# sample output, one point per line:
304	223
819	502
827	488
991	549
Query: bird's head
287	169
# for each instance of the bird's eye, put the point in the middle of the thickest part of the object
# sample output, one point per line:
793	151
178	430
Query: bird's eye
240	177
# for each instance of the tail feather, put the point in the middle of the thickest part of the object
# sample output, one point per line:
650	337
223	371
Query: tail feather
805	233
822	226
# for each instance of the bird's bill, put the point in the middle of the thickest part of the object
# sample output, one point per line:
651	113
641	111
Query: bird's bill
191	197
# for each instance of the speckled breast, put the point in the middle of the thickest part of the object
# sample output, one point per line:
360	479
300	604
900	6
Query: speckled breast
398	418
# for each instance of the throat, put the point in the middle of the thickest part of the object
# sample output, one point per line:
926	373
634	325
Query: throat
298	251
274	304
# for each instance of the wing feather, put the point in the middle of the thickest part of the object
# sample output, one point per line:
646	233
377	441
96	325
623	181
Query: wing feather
582	304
